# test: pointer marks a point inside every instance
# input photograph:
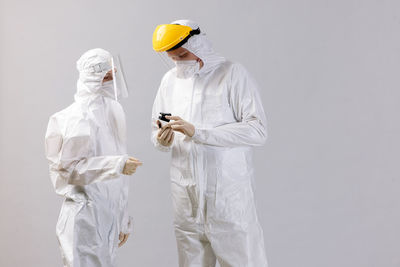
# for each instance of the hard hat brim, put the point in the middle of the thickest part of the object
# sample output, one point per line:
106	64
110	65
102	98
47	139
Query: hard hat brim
167	36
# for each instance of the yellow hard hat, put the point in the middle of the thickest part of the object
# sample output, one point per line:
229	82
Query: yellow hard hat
167	36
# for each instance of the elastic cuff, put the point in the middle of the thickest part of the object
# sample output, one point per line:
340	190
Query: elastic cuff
122	162
200	135
163	148
128	228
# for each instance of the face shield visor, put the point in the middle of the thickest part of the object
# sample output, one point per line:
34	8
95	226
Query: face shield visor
118	78
166	60
113	83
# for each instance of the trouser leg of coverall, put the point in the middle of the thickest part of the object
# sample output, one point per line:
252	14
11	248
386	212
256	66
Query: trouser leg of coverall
65	230
81	242
237	247
234	231
194	249
240	247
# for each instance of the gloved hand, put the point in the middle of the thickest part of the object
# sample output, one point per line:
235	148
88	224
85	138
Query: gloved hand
165	136
130	166
180	125
122	238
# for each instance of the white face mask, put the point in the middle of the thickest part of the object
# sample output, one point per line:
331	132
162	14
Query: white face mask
186	69
108	88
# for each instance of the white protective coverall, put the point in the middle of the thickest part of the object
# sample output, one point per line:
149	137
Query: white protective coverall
86	150
212	172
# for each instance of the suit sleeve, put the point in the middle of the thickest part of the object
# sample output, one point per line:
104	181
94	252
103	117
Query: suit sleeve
250	129
127	222
158	106
70	156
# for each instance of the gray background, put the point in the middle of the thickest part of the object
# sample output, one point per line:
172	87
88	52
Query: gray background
327	180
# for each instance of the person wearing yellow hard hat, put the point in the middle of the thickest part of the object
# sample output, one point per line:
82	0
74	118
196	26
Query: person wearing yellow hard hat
208	114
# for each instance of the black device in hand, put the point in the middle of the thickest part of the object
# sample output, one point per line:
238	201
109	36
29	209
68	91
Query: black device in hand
162	118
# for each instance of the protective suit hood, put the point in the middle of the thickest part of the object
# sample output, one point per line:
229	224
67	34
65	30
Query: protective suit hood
93	65
201	46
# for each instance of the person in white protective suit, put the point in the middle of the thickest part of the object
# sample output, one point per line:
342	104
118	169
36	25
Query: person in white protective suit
87	154
217	119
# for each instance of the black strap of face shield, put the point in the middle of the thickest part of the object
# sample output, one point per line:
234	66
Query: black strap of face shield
191	33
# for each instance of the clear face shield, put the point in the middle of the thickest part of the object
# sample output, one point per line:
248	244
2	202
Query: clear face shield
114	79
185	63
118	78
166	60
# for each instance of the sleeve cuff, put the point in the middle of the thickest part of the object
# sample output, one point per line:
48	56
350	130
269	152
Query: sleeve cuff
122	162
163	148
127	228
200	135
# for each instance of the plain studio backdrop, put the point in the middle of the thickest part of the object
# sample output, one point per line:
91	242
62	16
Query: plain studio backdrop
327	181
